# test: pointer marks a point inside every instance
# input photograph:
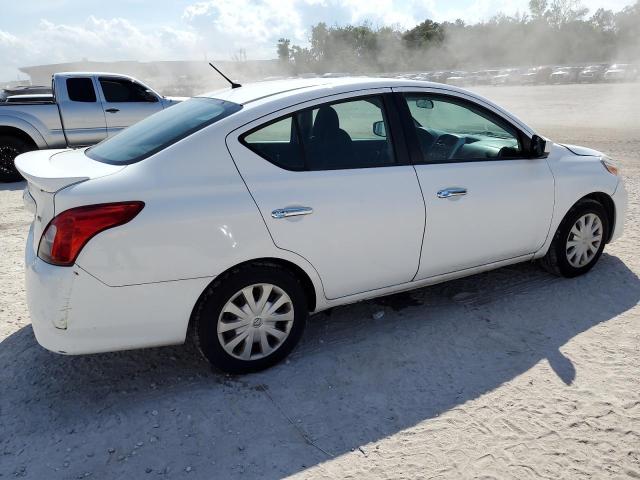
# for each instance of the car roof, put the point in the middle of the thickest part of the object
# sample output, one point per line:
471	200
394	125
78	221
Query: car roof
269	96
253	92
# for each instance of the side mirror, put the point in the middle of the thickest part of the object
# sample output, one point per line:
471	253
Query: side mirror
424	103
150	96
379	129
538	147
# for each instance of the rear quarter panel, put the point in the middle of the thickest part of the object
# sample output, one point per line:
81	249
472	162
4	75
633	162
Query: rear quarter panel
198	221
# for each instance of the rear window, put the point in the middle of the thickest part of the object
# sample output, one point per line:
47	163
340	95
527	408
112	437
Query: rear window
160	130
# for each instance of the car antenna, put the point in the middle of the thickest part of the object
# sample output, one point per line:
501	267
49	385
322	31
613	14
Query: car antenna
233	84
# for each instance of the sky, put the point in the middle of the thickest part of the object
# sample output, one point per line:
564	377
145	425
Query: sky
34	32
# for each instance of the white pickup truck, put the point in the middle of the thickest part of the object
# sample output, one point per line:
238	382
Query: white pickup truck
84	109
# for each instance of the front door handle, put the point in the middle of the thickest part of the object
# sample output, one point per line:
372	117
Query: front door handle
112	110
291	212
452	192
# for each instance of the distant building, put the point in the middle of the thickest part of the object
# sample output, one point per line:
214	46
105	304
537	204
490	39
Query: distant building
167	77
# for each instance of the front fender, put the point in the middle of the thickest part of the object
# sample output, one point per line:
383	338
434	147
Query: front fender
575	176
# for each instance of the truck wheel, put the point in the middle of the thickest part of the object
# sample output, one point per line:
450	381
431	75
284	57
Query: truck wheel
10	148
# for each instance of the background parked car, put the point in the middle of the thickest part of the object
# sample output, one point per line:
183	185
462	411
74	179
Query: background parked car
508	76
536	75
457	78
482	77
593	73
441	76
621	72
565	75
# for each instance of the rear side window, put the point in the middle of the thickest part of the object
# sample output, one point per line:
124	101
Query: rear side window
160	130
278	142
119	90
340	135
81	90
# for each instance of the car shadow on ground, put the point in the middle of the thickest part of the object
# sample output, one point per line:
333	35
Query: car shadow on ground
363	372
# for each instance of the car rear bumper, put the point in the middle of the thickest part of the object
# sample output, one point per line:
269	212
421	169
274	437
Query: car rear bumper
74	313
620	201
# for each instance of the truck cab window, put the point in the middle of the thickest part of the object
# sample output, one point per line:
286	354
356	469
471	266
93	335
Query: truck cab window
81	90
123	90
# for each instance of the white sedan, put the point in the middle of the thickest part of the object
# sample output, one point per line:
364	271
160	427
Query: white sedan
236	214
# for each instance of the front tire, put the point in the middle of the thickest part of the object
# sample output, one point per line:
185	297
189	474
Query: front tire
579	241
251	318
10	148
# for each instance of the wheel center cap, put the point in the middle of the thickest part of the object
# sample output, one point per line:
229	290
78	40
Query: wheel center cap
257	322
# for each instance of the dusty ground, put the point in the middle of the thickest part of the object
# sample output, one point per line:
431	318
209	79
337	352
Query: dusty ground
509	374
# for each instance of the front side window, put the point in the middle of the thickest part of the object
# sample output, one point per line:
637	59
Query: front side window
117	90
81	90
160	130
340	135
451	130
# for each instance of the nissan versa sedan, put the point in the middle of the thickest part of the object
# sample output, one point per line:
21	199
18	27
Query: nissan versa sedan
234	215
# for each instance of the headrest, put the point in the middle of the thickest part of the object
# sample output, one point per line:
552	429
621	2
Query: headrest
326	121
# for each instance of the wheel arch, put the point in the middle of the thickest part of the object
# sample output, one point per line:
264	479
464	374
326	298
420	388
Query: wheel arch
23	130
305	280
17	133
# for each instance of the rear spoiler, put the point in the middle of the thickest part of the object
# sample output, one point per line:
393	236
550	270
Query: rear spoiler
53	170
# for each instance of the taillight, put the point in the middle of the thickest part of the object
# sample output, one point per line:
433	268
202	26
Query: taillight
69	232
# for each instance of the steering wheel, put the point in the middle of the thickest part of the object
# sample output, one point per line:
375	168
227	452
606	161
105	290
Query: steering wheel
444	147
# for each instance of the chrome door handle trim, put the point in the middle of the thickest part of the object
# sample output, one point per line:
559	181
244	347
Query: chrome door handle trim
452	192
291	212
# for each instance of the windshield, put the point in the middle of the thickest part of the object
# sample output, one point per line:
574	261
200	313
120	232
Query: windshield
160	130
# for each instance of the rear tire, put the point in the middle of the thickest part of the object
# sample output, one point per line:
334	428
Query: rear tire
10	148
579	241
251	318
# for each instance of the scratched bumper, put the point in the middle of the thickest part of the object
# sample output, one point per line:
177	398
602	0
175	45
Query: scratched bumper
74	313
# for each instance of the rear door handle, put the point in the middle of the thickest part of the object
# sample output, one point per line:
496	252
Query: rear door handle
112	110
291	212
452	192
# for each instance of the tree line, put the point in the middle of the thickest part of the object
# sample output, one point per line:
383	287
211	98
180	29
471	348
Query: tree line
551	33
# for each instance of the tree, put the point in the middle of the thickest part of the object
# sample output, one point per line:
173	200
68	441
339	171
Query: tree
562	12
284	52
603	20
424	34
538	9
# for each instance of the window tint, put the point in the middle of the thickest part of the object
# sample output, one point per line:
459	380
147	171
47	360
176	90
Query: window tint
81	90
341	135
278	143
449	130
160	130
123	90
333	136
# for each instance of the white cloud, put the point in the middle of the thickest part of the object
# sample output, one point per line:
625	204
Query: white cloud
95	39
